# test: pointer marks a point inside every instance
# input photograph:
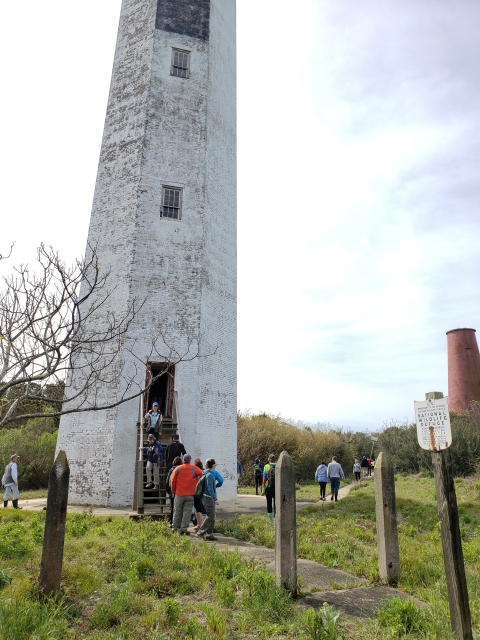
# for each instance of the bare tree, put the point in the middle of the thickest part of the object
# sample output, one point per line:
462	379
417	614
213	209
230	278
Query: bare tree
55	322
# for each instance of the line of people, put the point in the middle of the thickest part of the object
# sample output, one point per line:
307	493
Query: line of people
191	488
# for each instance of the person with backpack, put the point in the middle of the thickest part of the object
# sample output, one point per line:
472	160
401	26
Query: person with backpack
197	500
258	472
184	482
206	487
268	485
10	481
168	487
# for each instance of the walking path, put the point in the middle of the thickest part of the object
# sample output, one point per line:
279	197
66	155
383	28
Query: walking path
342	590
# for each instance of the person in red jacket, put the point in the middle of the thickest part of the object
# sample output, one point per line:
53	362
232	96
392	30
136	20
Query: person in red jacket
184	482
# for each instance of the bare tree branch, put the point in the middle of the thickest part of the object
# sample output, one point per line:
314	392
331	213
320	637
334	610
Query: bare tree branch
56	321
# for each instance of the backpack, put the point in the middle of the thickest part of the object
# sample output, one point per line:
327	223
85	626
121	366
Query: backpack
271	476
200	489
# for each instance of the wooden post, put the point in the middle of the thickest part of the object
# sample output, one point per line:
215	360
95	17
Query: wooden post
460	620
285	524
386	511
50	575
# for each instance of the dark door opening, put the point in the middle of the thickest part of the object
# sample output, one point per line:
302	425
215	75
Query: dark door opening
161	390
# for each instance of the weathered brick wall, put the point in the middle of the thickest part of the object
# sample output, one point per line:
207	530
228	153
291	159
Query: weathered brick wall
164	130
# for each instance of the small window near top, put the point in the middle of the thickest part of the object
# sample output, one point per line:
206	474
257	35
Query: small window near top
171	203
180	64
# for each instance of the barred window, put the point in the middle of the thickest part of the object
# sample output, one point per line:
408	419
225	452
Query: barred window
181	63
171	203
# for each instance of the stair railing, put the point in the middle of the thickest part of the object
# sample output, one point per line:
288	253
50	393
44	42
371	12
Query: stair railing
139	475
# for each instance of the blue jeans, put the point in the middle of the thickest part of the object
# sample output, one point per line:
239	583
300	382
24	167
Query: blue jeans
335	486
10	488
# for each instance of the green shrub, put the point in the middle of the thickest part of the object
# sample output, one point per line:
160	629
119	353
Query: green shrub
260	435
35	443
5	578
401	617
216	622
323	624
171	611
26	619
78	524
15	540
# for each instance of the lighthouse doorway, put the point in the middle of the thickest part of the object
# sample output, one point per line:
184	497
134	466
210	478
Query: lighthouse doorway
162	389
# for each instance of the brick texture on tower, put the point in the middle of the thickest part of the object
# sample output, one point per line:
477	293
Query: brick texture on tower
164	223
463	369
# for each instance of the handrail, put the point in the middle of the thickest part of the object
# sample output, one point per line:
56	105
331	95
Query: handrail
139	474
175	415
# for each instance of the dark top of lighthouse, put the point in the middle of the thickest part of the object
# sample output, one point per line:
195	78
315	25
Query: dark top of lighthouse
186	17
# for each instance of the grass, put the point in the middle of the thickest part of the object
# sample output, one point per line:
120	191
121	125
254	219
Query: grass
343	535
32	494
127	580
123	579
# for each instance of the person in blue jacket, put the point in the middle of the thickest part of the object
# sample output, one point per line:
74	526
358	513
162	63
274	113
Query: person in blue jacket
209	500
321	478
154	454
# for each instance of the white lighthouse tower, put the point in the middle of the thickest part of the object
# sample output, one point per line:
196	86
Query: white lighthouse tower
164	224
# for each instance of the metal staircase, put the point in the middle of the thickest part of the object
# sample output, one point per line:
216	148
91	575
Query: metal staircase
153	502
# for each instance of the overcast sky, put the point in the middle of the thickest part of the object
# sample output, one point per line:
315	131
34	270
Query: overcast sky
358	185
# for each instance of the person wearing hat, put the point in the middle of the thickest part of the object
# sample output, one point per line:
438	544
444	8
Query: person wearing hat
10	482
153	421
154	454
183	483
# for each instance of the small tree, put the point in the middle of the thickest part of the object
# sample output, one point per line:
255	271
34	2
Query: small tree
54	321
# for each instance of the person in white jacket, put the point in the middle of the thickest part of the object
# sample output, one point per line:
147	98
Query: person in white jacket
10	481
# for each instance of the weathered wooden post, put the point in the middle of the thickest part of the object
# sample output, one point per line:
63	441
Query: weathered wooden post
285	524
434	433
54	535
386	511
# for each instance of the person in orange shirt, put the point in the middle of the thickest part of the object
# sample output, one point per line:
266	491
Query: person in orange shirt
184	482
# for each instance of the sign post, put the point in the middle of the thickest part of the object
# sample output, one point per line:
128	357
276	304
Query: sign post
434	434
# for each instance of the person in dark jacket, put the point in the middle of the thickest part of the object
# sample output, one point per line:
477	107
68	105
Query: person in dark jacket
168	485
174	449
154	455
364	465
258	471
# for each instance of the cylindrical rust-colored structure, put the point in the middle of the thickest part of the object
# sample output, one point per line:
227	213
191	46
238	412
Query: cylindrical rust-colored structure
463	369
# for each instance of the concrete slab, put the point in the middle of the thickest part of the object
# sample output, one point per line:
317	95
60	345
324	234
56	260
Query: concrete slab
362	602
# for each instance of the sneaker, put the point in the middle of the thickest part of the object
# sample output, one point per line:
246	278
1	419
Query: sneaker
211	538
155	486
200	536
196	527
149	485
184	533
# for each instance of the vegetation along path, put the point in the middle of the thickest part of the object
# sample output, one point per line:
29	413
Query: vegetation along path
319	584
